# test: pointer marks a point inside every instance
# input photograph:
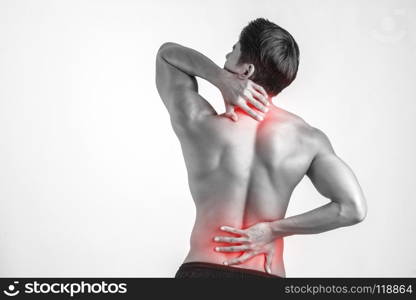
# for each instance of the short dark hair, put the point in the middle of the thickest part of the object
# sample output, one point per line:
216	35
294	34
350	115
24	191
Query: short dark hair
273	52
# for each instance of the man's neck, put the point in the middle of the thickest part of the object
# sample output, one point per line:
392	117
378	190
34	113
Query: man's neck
243	113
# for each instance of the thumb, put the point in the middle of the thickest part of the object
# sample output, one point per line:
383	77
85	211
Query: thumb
229	112
268	262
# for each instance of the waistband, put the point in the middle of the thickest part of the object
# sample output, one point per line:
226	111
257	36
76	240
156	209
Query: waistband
206	265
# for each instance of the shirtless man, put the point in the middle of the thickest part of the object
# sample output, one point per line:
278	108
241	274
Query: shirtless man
244	164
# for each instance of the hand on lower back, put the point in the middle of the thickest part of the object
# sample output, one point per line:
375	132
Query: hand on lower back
255	240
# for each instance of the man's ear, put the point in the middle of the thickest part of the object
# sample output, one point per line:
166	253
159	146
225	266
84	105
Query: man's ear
248	71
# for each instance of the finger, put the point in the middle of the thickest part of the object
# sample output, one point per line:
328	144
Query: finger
260	96
260	89
259	105
250	111
227	239
241	259
233	248
233	230
230	113
268	262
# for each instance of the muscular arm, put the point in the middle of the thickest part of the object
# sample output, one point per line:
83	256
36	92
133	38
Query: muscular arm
191	62
179	90
176	69
334	180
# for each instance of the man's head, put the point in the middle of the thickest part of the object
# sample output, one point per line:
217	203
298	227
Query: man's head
266	54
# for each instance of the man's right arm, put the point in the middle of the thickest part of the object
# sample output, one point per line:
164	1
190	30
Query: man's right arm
334	179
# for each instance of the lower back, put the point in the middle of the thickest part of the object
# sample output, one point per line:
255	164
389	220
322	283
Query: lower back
233	204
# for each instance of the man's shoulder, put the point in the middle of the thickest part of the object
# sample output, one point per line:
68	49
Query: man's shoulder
289	119
306	132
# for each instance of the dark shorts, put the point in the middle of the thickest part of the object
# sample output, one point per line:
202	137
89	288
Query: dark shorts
210	270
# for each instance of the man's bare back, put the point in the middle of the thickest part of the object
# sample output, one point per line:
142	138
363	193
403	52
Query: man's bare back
241	174
244	164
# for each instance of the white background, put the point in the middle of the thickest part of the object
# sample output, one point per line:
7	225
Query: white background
92	179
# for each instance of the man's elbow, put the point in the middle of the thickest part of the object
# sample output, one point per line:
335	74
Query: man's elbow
165	48
355	212
360	213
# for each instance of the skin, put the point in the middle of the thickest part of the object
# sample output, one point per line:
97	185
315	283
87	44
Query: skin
244	164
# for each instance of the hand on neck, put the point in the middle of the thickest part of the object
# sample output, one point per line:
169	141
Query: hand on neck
241	112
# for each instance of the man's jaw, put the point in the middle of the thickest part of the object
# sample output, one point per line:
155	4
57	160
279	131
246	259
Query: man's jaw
228	70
